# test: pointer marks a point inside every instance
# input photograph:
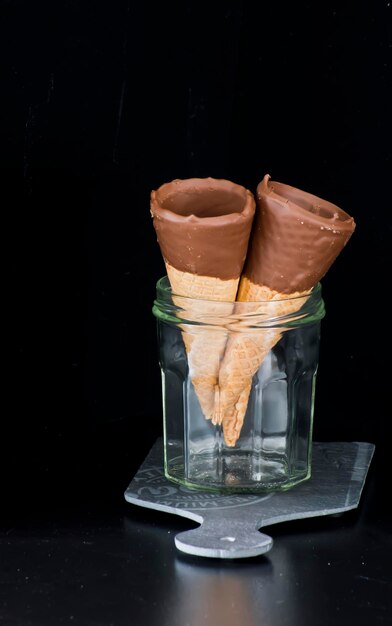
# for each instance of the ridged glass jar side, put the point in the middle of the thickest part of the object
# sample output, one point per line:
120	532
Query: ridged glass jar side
273	449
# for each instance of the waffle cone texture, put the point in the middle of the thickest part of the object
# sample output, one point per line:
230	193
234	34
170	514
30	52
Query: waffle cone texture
245	353
204	347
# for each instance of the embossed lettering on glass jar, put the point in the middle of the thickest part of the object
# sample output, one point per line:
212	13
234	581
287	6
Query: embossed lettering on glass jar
271	450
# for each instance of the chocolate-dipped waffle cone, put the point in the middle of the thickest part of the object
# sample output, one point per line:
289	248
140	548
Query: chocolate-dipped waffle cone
203	228
295	239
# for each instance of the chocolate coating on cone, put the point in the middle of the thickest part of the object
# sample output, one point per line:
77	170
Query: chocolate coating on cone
203	225
295	239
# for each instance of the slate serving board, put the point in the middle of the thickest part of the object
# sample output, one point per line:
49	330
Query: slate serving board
229	524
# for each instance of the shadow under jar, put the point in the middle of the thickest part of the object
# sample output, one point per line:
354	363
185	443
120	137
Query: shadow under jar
272	450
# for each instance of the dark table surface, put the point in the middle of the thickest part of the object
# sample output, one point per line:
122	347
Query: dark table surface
94	559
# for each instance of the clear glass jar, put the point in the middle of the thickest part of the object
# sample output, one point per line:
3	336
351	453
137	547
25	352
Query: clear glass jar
271	448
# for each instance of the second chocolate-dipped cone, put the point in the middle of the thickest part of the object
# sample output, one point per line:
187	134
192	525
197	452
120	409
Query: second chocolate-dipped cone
295	238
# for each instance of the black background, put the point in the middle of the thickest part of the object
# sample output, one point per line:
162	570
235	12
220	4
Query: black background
101	102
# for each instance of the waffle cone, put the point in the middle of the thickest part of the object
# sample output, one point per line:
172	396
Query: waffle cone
204	345
245	352
203	227
295	238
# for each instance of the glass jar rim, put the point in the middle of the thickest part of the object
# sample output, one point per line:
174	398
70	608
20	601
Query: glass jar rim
163	288
281	312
